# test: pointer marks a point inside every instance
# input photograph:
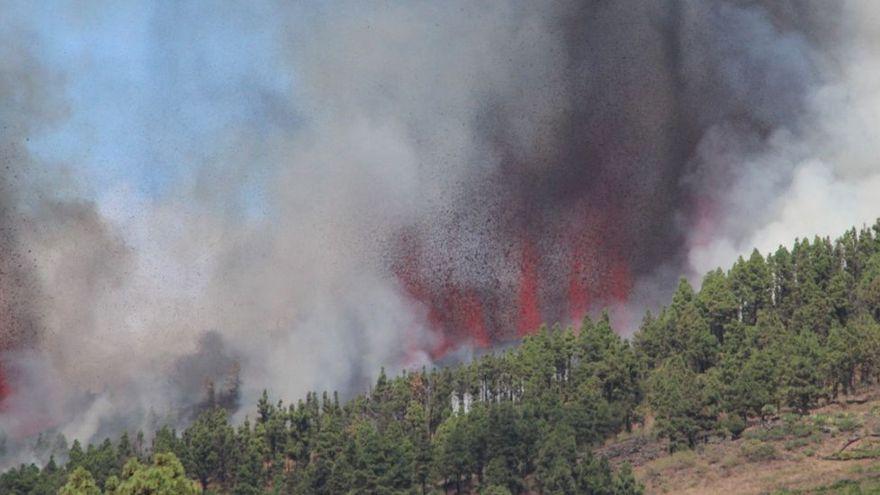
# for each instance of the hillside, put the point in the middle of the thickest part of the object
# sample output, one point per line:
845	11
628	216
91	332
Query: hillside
832	449
741	381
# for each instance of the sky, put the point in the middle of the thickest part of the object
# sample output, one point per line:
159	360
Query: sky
149	86
306	185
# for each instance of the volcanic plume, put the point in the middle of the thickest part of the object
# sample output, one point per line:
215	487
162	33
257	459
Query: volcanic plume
333	188
594	140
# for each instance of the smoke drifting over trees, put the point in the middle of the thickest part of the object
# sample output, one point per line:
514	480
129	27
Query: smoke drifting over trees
439	176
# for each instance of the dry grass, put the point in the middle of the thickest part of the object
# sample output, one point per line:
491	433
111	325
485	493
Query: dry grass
794	454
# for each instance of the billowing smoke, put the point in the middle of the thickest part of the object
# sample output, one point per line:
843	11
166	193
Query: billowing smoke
436	177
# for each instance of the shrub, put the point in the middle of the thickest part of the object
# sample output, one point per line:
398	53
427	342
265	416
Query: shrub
847	422
768	411
758	451
734	425
495	490
796	443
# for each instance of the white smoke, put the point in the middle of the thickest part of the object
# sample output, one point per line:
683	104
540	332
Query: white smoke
275	247
817	177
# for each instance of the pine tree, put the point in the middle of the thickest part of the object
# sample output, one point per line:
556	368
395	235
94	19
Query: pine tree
868	288
717	302
208	445
420	438
593	475
625	483
678	397
249	476
556	462
75	456
801	379
751	285
124	450
165	441
165	476
80	482
453	460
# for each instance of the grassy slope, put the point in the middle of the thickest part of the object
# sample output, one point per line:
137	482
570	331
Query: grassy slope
786	455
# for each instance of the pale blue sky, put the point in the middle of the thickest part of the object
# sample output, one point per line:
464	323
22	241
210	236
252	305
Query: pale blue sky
152	86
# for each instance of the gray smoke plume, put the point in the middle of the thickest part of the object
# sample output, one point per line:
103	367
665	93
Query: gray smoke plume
440	175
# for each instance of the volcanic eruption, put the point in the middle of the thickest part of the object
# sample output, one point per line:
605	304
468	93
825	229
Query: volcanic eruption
598	176
320	192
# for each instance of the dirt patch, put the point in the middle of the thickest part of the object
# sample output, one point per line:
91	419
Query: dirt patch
637	450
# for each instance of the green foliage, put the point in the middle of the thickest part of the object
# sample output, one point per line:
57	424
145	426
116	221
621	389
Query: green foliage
848	423
678	396
735	425
792	426
870	486
209	451
453	452
556	462
801	378
495	490
165	476
871	451
29	479
757	451
774	335
80	482
626	483
249	473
